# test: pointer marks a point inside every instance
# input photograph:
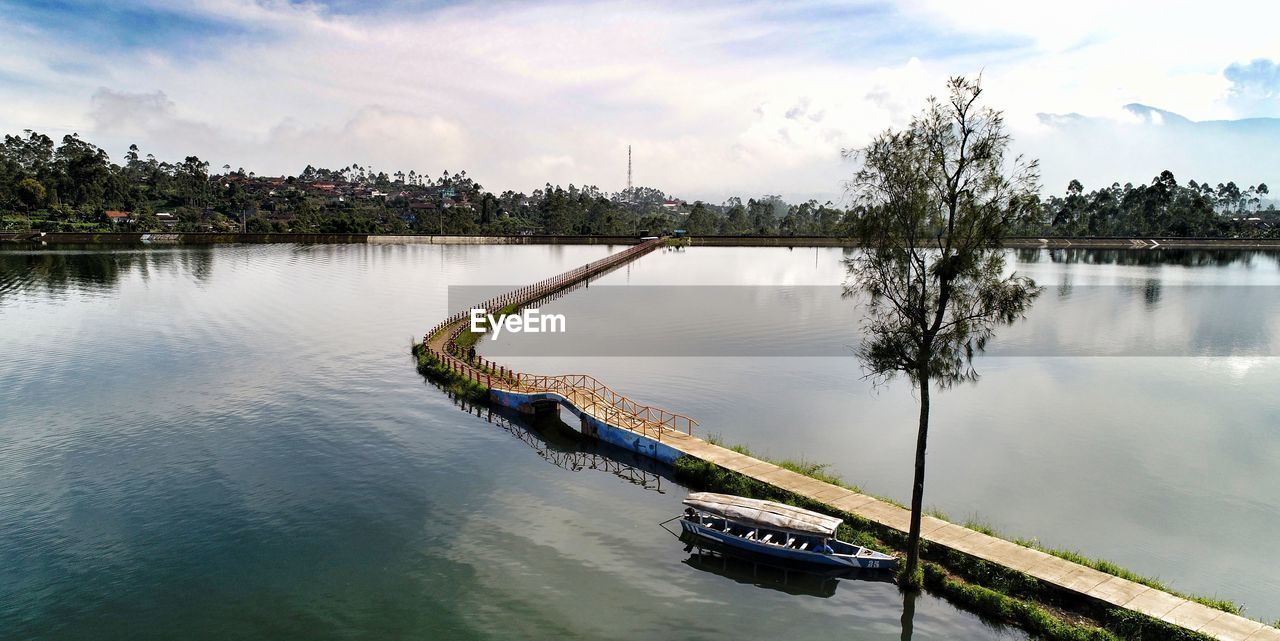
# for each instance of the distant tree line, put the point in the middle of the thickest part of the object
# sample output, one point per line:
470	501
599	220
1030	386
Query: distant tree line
1162	208
73	185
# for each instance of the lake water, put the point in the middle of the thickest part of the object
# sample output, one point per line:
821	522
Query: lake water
232	442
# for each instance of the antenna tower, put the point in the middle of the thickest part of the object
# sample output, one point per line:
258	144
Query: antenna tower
628	167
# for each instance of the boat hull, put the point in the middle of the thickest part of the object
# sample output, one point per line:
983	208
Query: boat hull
778	553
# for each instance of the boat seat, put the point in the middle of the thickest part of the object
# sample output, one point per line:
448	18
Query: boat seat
767	538
804	546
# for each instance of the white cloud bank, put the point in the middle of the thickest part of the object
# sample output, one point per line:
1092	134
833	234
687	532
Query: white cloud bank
715	99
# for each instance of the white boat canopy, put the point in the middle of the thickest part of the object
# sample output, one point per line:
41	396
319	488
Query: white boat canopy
765	513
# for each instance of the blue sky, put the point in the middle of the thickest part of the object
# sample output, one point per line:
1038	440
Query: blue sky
716	98
123	26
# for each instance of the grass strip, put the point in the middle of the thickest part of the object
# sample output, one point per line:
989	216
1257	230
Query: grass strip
1100	565
811	469
451	381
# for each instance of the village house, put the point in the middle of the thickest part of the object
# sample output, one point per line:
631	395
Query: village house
117	216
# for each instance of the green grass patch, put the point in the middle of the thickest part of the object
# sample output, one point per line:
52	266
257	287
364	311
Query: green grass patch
462	387
1115	570
1139	627
981	526
1102	565
468	339
811	469
820	471
1002	608
715	438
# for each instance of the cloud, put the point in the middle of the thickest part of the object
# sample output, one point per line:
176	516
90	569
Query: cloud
716	98
115	110
1255	87
1134	146
149	118
376	136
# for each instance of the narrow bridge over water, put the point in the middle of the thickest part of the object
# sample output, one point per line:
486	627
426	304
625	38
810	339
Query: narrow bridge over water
663	435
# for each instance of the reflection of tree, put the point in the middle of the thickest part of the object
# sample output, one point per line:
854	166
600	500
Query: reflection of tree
1065	287
63	271
1151	292
1147	257
197	262
60	271
94	269
557	443
908	613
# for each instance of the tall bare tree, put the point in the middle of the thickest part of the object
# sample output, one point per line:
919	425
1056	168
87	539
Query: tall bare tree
936	199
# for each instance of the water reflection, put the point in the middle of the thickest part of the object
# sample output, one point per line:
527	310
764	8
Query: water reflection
761	575
1028	255
1109	315
555	442
1151	293
908	613
1148	257
708	556
89	270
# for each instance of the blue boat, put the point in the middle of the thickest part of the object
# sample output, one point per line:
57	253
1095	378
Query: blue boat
777	532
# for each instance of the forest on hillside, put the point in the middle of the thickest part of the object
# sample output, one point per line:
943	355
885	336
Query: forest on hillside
74	185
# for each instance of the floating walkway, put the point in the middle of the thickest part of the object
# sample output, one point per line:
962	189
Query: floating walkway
666	436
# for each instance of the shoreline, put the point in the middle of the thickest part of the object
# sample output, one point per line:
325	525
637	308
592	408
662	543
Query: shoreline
211	238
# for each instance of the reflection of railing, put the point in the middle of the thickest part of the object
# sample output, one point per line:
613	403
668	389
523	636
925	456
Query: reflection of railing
572	460
578	460
584	392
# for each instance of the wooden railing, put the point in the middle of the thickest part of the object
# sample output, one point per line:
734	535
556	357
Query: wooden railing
585	392
594	397
543	288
